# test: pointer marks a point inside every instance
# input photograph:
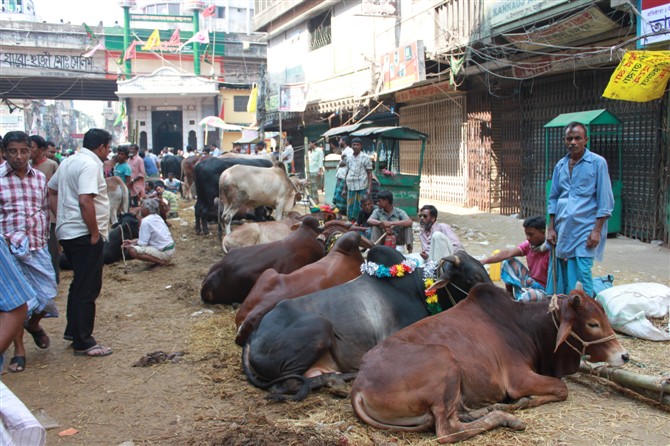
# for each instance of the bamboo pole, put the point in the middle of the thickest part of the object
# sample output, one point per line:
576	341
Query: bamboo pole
652	387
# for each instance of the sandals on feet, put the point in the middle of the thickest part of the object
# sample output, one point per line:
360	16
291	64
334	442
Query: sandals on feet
95	351
19	362
39	336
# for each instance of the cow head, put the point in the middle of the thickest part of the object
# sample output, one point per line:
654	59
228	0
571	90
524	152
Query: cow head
585	328
130	226
462	271
385	255
310	223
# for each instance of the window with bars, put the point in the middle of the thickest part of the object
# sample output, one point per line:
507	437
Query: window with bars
319	31
240	103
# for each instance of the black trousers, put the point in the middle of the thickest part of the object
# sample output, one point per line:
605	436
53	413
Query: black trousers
52	243
87	262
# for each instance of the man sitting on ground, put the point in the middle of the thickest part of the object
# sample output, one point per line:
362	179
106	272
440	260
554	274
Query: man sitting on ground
361	224
438	240
387	217
155	243
172	184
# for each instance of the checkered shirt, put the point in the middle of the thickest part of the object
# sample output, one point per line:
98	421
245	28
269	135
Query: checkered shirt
24	208
357	175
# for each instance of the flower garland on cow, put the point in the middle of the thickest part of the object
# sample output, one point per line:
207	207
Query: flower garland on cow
407	267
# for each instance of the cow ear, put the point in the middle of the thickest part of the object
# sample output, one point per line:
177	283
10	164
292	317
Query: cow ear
563	332
295	226
567	313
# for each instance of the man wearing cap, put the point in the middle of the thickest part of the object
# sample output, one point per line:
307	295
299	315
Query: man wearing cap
155	243
358	179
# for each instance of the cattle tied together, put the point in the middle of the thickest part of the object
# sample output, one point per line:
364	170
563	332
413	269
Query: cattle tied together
304	343
230	279
431	374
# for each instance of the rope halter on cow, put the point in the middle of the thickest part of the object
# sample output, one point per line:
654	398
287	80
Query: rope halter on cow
553	309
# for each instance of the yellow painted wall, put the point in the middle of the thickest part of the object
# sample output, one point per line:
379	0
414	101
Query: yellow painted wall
230	115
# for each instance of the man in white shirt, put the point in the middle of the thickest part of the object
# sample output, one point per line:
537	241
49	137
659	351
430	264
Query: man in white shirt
339	198
155	243
314	169
78	198
287	156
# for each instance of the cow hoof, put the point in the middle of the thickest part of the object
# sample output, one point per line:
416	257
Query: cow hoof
516	424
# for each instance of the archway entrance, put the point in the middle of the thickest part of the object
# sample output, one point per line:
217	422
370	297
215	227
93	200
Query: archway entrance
167	129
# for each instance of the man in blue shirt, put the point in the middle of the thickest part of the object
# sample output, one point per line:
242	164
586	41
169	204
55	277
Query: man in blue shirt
580	202
122	169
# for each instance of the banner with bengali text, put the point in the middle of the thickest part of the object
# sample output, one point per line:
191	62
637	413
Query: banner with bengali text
640	77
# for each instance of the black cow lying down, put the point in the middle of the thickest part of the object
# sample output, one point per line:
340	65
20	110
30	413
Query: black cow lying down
461	370
307	342
127	228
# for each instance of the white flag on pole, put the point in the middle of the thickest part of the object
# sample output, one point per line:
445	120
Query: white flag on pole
201	36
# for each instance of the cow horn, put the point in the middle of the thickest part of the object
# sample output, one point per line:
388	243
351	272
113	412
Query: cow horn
452	259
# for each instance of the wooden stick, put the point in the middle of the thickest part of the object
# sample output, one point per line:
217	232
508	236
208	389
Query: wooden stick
652	387
380	238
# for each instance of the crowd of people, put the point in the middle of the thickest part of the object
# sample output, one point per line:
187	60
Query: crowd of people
49	204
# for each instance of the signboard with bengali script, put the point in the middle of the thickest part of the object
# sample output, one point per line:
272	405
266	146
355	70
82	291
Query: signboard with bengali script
654	22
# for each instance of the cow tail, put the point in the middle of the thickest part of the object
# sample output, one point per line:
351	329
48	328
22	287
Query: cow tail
264	385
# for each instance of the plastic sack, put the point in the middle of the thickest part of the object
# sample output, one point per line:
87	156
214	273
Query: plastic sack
628	306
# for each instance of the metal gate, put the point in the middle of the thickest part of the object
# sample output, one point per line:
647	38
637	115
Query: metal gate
445	166
483	186
543	99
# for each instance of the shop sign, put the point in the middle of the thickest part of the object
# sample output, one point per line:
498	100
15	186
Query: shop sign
506	11
654	22
424	92
167	81
160	18
402	67
582	25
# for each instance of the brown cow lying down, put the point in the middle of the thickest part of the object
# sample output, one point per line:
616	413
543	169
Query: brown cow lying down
486	350
251	233
231	278
342	264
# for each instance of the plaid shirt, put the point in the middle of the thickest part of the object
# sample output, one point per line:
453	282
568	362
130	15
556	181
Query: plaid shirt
357	171
24	208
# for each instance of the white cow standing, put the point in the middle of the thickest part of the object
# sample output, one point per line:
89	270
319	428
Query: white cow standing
118	198
256	186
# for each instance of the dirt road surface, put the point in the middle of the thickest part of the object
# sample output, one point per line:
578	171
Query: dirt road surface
204	399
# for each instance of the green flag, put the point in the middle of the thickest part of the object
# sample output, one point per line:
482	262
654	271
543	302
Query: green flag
89	32
122	115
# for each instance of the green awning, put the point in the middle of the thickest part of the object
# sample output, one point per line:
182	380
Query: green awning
345	129
402	133
590	117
